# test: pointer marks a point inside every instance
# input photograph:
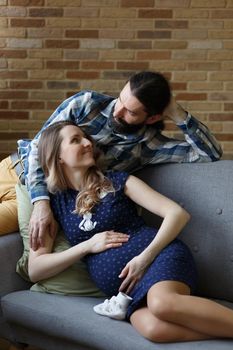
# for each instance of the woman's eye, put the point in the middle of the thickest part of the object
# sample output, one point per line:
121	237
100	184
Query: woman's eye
75	140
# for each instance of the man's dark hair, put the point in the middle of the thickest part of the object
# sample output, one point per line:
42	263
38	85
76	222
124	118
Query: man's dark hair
152	90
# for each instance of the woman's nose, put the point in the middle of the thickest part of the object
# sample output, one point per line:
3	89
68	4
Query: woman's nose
86	142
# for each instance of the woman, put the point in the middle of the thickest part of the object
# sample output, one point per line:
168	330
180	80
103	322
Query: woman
100	221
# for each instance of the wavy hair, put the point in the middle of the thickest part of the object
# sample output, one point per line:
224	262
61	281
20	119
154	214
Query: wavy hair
94	183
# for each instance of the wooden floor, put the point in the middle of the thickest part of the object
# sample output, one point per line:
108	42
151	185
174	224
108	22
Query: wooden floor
5	345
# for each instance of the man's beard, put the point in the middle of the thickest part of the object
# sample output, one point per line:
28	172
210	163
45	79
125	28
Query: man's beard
119	126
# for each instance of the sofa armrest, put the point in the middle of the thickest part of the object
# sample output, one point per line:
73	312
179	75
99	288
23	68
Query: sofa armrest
11	248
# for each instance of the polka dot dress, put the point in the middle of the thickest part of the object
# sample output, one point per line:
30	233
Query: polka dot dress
117	212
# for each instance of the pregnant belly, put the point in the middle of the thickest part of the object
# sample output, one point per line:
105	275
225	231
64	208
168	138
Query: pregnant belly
105	267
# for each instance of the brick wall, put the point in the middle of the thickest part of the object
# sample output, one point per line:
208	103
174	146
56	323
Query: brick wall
50	49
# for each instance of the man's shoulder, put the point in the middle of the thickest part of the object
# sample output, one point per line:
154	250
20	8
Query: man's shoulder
92	95
81	103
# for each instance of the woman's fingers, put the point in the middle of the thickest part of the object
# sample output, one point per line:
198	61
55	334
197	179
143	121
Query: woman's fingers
116	237
106	240
127	285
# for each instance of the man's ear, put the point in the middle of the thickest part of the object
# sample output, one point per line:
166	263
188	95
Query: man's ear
153	119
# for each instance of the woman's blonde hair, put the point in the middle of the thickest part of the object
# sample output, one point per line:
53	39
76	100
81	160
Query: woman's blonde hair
94	182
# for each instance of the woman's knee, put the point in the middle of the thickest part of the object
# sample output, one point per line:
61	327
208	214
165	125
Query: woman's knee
163	299
162	306
150	328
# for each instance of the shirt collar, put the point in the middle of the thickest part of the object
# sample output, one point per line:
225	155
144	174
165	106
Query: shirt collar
109	109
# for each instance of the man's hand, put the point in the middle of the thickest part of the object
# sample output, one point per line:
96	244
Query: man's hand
175	112
42	221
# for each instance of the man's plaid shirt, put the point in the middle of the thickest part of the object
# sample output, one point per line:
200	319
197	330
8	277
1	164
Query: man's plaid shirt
92	112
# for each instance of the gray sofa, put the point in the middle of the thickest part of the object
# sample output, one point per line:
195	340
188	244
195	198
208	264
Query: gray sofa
55	322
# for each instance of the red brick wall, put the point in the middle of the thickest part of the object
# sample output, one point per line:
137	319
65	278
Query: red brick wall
50	49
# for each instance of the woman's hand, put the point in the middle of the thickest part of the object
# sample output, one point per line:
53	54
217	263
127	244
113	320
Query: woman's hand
106	240
133	272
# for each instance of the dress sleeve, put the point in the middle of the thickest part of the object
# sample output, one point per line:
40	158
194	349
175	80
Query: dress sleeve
118	179
54	202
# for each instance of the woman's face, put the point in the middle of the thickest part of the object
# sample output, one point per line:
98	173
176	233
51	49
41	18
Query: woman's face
76	151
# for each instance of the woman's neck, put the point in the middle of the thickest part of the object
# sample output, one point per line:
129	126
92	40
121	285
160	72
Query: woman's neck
75	178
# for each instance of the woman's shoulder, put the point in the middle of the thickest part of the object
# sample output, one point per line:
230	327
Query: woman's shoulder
118	178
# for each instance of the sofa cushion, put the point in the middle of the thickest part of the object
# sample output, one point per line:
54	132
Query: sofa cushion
74	280
73	318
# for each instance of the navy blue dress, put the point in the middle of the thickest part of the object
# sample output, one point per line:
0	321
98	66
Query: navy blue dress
117	212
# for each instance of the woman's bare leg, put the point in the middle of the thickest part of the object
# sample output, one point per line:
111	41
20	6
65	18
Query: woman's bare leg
171	301
154	329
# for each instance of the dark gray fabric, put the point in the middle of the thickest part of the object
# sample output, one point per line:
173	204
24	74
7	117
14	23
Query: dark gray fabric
5	330
55	322
48	343
45	341
10	251
72	319
206	192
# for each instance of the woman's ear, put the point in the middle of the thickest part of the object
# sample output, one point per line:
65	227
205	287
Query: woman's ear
154	118
60	160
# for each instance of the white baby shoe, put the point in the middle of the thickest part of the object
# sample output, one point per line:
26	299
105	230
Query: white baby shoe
116	307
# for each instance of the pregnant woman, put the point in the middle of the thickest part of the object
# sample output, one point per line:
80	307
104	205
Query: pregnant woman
98	215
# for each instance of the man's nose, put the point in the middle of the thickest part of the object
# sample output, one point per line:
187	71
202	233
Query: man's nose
119	109
119	112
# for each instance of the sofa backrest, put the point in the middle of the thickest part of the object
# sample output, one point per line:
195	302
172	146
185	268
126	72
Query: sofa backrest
205	190
11	248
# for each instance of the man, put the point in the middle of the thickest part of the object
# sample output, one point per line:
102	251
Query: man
127	130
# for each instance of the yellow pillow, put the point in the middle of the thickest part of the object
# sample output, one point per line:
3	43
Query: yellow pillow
74	280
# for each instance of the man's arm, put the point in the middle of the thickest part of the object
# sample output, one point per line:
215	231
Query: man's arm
199	144
42	219
196	133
